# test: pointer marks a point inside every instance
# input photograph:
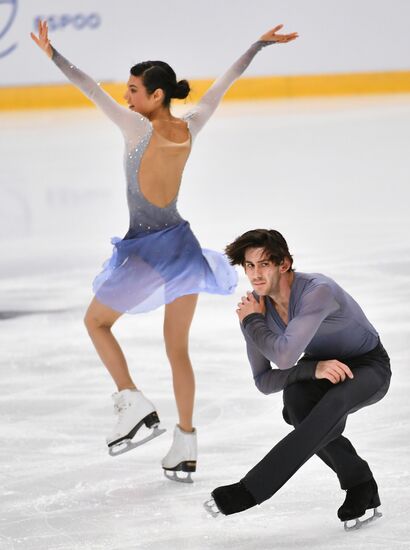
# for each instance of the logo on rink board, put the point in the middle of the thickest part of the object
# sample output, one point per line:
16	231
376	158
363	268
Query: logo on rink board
8	11
77	21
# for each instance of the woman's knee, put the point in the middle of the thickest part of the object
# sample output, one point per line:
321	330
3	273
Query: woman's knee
90	322
93	321
99	316
176	342
177	352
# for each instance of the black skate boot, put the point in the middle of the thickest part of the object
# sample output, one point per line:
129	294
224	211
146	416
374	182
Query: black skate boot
229	499
358	499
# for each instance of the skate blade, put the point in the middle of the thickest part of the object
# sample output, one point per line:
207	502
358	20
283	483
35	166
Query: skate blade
173	476
127	445
211	508
360	522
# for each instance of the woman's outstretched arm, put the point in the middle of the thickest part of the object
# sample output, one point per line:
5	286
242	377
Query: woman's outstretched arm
200	114
131	123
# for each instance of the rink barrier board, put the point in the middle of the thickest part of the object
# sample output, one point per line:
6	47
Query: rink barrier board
247	88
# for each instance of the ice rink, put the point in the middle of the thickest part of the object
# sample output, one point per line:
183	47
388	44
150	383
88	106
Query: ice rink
333	176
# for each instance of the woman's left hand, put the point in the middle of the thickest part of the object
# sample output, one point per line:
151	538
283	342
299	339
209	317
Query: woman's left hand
42	40
273	36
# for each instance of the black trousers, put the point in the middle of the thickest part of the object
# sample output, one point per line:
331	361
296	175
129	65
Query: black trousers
318	410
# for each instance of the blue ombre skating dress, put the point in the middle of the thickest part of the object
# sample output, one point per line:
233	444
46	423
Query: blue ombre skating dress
159	259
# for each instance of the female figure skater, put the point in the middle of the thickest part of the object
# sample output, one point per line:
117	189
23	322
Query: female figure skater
159	261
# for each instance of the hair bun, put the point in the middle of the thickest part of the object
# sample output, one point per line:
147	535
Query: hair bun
182	89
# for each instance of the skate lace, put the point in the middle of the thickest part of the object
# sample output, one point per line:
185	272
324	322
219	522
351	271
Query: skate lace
120	407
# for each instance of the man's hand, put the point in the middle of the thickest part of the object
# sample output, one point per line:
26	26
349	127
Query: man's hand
333	370
250	305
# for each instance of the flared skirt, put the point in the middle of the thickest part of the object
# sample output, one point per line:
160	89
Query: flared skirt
154	268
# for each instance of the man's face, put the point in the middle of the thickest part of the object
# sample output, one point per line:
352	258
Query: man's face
262	273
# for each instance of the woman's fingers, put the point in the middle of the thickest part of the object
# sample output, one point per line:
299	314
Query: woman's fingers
286	37
42	39
34	37
272	36
277	28
44	31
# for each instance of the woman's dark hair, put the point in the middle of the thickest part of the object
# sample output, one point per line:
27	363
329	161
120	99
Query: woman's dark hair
270	240
158	74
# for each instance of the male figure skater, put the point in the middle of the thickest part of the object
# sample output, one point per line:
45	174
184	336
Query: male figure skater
344	368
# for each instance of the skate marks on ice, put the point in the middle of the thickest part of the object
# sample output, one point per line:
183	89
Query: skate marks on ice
6	315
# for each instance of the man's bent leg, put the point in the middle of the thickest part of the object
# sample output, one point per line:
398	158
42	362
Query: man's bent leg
325	423
350	468
340	455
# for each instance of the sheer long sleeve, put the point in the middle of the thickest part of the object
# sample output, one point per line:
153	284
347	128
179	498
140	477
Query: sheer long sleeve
201	113
285	349
271	380
133	125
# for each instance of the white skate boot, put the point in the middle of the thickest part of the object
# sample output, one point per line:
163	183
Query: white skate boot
133	410
181	456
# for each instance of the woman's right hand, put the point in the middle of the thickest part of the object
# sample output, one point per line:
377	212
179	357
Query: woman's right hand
273	36
42	40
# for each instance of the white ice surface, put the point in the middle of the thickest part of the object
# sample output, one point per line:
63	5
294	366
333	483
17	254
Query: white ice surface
333	176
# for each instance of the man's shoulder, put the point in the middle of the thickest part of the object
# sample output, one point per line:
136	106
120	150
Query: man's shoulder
309	281
317	290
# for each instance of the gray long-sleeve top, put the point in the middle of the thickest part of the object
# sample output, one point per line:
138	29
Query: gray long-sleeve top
138	132
324	322
133	125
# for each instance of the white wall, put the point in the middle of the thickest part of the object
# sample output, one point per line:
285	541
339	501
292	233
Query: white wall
201	39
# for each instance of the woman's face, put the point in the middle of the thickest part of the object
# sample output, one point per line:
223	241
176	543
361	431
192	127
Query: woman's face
138	98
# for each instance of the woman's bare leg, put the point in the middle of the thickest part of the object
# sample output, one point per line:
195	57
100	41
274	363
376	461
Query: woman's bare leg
177	322
99	319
